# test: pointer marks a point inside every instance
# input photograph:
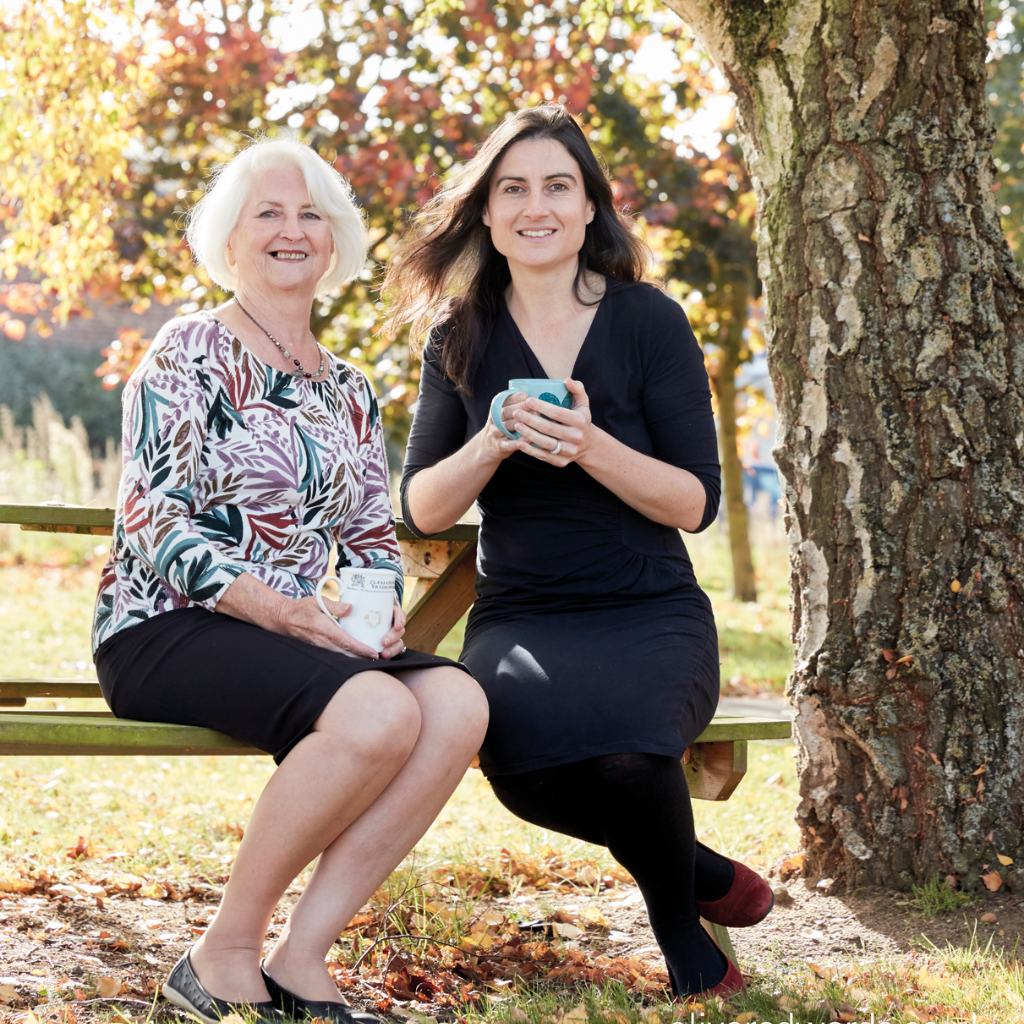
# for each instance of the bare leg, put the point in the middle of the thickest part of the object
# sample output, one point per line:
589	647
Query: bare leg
358	744
453	711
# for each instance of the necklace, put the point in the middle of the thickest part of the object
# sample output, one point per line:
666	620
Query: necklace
301	371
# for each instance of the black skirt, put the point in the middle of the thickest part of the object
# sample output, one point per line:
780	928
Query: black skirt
195	667
611	678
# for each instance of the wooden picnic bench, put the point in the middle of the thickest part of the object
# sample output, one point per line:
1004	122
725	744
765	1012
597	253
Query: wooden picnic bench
443	574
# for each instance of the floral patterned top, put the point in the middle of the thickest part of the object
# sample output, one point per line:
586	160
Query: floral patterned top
231	466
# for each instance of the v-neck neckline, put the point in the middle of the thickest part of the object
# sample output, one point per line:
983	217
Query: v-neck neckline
533	360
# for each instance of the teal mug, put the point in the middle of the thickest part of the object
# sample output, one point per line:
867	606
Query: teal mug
553	391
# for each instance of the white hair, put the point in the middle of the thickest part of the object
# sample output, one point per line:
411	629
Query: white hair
213	218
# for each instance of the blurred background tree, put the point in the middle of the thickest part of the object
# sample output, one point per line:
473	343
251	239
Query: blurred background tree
397	100
1006	98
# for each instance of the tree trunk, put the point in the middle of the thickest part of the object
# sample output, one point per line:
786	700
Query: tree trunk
732	315
896	355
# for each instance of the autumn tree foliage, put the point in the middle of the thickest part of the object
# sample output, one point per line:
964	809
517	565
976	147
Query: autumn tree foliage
68	108
397	98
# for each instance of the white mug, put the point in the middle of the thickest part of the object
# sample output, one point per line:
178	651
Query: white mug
371	592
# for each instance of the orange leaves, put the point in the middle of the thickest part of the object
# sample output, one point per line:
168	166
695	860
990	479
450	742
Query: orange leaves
792	866
993	880
122	357
516	872
83	848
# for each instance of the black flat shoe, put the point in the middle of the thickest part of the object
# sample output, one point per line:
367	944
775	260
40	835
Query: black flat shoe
184	989
298	1009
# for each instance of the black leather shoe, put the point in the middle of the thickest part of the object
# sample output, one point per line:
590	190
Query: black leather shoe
297	1009
184	989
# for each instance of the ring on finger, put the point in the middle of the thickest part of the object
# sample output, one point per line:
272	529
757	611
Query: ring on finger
556	449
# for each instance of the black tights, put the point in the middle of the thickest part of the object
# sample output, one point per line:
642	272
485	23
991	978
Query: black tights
637	805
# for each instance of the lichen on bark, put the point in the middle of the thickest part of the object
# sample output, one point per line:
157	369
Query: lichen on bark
895	346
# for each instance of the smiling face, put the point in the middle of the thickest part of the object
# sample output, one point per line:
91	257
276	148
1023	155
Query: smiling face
537	208
281	241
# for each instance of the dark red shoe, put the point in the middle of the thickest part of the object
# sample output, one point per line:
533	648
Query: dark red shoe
732	983
748	901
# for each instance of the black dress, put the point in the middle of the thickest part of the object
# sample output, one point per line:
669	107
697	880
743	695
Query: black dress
589	635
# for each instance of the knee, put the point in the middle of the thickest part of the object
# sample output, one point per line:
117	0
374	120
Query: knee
377	717
461	704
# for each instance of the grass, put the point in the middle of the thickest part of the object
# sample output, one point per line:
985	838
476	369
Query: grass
753	639
131	814
935	897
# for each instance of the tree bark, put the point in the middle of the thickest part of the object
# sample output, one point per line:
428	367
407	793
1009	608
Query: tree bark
732	316
895	348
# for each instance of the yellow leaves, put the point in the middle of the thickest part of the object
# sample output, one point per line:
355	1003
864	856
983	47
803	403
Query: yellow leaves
11	883
66	125
593	918
153	891
1004	860
955	586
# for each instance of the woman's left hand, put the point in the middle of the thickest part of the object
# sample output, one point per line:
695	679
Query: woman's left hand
393	643
553	434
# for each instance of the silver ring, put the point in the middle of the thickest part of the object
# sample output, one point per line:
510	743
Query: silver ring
557	448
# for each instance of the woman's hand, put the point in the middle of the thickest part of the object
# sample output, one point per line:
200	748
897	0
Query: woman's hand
393	643
302	619
543	426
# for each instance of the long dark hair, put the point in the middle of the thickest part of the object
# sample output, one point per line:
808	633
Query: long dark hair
447	275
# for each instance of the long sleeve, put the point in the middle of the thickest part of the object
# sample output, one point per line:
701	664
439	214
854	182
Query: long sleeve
677	400
367	536
165	424
438	430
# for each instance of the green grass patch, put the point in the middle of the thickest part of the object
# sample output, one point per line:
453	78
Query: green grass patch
936	897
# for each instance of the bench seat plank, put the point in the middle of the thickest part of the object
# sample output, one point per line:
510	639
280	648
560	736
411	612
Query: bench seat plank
70	732
722	727
28	732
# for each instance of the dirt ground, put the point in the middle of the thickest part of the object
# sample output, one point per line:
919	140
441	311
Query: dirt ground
105	947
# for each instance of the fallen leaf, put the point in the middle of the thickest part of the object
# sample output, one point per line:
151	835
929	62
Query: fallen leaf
988	918
792	866
566	931
993	880
119	1018
747	1017
153	891
955	586
8	993
232	1018
788	1003
906	660
593	917
577	1015
517	1016
107	987
65	890
1004	860
8	883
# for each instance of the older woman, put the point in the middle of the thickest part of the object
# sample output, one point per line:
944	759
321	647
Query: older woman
594	644
249	452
